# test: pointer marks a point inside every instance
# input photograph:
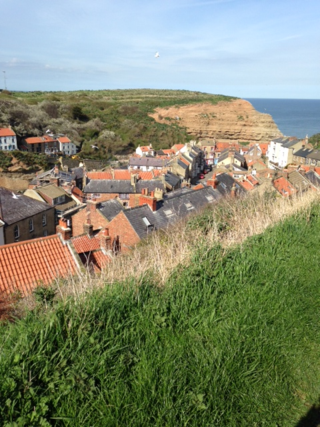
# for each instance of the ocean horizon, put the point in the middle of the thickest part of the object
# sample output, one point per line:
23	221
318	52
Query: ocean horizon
294	117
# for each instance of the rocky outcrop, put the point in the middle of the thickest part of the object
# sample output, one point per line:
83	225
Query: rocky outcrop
235	120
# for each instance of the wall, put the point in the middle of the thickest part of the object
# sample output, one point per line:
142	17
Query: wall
39	229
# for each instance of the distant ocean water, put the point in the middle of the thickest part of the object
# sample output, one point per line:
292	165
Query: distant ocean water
294	117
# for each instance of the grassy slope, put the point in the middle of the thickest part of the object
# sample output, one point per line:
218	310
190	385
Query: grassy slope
232	340
123	112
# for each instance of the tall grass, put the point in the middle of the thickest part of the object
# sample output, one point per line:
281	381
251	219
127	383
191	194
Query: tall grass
230	338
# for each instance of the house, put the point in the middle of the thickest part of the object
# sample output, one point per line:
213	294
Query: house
147	163
299	181
226	185
300	156
59	178
103	190
232	159
281	150
313	158
284	187
100	215
24	218
313	177
180	167
130	226
54	196
145	150
8	139
42	144
182	203
254	153
66	146
28	264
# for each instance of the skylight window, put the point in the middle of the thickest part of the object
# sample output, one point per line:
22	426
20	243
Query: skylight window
189	206
146	221
168	213
210	199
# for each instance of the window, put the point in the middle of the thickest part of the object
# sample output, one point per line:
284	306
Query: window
44	220
31	228
45	233
168	213
210	198
189	206
16	233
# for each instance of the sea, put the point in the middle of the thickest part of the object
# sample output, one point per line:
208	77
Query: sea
294	117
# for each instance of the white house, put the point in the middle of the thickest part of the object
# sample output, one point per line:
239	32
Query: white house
66	146
281	150
8	139
145	150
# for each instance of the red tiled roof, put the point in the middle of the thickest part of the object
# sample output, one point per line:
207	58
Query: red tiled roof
145	149
252	179
168	151
6	132
198	187
64	139
100	259
184	161
122	174
85	243
177	147
264	147
284	187
25	265
99	175
39	139
246	185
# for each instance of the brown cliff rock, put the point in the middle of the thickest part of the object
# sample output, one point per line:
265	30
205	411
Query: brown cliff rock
234	120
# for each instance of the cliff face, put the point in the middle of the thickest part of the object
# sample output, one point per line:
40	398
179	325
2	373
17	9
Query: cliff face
235	120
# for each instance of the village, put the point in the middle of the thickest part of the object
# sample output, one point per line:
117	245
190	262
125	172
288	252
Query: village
82	213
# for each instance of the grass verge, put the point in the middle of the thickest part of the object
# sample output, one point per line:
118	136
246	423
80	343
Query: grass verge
231	338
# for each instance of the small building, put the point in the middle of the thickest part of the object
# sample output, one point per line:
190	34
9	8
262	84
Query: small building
8	139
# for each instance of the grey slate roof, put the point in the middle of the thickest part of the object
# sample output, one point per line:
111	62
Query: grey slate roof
15	207
110	209
121	186
285	139
172	179
303	152
299	181
148	161
314	178
315	154
225	184
63	176
136	218
173	209
290	144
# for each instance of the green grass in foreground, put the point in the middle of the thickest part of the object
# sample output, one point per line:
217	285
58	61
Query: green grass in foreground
232	340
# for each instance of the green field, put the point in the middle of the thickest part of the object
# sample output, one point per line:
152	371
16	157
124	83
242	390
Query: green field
231	340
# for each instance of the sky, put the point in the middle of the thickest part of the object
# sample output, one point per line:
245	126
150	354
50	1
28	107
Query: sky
243	48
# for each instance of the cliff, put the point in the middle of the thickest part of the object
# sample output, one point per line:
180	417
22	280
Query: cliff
234	120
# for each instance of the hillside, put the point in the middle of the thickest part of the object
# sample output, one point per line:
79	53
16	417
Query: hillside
118	121
230	337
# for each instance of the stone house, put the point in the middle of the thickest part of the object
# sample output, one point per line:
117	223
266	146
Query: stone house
24	218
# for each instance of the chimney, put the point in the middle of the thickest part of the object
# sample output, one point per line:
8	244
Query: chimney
92	206
147	200
133	181
233	190
56	170
105	240
63	229
87	226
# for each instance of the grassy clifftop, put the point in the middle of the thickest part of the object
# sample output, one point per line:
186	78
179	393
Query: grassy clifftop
230	338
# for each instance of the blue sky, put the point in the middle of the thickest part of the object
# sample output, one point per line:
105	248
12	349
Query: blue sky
244	48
